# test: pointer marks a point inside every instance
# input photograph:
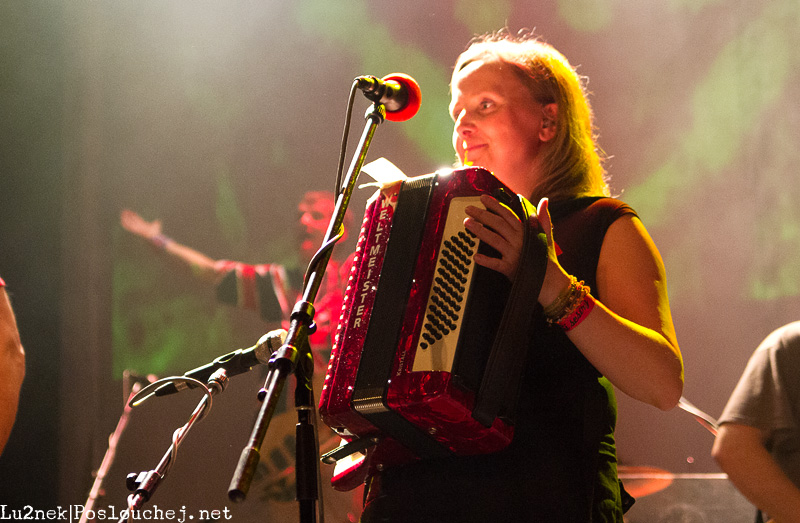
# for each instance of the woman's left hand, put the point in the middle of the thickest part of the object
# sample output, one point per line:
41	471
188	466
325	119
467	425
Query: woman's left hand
500	228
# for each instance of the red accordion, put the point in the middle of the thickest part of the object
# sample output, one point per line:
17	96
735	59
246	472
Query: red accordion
416	363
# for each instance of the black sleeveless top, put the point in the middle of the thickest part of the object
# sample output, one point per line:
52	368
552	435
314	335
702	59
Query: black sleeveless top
561	465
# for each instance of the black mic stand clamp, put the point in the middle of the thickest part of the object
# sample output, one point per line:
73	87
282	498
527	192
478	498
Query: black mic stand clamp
287	355
296	350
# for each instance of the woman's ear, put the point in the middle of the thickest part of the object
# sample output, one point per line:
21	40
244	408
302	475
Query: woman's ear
549	122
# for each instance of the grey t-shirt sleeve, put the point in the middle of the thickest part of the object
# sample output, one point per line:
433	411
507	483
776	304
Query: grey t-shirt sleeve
766	396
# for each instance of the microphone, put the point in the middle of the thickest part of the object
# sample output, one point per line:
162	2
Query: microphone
398	92
236	362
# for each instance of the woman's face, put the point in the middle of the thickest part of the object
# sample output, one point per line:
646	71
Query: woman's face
498	125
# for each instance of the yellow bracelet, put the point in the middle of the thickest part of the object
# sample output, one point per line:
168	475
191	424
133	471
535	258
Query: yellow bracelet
576	297
578	313
557	306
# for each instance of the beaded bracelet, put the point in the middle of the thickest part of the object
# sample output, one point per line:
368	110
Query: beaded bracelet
572	305
578	314
556	308
579	292
160	241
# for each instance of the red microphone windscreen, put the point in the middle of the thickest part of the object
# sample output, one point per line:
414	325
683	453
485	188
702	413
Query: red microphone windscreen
414	97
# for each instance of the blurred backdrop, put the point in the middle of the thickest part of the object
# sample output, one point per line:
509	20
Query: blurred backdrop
215	117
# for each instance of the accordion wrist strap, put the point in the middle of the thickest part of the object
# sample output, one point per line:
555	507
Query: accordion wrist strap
500	385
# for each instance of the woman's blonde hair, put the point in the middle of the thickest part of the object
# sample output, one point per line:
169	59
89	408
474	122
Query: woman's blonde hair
573	165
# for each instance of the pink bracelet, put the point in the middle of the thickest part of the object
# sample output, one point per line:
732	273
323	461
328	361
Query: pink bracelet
578	314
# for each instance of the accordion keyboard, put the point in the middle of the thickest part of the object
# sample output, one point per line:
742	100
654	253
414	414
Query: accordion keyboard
453	276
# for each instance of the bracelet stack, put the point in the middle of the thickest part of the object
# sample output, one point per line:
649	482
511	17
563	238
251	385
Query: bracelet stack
160	241
571	306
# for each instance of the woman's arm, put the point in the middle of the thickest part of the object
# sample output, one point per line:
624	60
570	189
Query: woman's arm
629	336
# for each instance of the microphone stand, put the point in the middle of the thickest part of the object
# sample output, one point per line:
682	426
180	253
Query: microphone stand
701	417
295	356
111	452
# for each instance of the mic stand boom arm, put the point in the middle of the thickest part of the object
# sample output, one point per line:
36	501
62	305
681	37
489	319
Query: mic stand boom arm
295	349
144	484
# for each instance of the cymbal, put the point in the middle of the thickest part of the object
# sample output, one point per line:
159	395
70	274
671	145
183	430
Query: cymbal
643	481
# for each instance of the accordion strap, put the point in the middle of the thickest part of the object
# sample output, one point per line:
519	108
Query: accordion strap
500	385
